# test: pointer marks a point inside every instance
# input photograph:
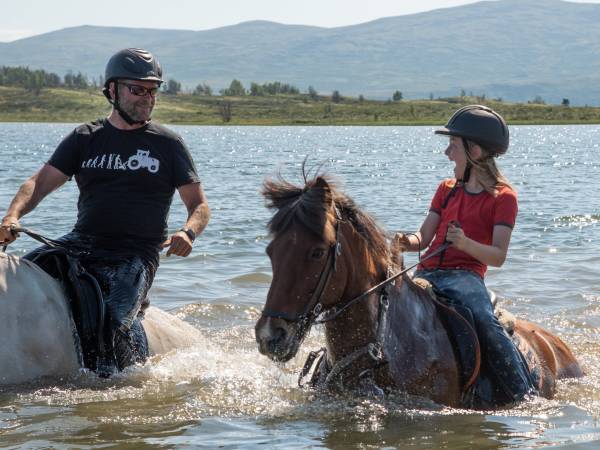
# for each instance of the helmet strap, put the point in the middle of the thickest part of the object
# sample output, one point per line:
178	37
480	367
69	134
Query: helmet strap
126	117
469	166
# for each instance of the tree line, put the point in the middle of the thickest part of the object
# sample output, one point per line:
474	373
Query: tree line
36	80
237	89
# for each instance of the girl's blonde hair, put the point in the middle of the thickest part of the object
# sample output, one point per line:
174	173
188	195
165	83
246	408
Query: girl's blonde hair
488	175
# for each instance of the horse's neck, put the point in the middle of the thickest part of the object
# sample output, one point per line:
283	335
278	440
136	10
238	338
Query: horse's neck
417	348
357	327
353	329
411	320
411	313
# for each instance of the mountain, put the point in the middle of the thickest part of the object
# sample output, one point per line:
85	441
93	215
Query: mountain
514	49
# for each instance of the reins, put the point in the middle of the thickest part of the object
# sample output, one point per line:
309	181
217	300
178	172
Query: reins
314	313
335	311
38	237
373	350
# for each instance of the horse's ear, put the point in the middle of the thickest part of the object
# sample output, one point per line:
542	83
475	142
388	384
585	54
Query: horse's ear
322	183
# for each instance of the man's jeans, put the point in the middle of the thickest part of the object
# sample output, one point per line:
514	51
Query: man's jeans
467	289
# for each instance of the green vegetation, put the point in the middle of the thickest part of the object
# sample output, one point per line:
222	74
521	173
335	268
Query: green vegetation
35	80
78	105
39	96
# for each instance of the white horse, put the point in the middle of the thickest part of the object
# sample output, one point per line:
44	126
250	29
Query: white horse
36	329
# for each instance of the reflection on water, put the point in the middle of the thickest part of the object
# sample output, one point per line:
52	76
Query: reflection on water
221	392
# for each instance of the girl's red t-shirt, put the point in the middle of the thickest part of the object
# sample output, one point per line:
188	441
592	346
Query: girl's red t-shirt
477	214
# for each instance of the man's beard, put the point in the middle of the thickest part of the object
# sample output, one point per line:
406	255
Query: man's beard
138	113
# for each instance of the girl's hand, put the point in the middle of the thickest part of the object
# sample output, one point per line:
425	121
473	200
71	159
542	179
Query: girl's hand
400	243
456	236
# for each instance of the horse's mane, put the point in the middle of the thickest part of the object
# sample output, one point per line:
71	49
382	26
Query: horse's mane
309	205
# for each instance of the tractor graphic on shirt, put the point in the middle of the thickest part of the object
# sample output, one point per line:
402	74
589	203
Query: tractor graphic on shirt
143	159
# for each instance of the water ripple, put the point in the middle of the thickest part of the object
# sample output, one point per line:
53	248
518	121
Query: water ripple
222	392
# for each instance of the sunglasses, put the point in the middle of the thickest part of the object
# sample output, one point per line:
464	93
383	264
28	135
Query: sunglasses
140	91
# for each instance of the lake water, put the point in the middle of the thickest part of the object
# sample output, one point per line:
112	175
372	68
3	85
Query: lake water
223	393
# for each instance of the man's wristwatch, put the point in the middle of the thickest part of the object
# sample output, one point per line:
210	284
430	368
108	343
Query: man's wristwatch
190	233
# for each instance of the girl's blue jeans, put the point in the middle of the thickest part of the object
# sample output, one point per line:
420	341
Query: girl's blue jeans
467	289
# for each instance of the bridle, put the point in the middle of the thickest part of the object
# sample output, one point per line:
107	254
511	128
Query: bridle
314	307
316	313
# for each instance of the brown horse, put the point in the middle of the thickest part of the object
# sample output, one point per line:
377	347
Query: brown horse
326	254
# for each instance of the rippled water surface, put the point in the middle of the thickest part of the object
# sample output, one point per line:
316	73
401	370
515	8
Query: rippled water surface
222	393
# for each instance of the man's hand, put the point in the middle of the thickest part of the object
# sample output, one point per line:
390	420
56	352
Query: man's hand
7	235
179	244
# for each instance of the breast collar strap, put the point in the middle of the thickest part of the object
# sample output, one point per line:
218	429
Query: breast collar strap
373	351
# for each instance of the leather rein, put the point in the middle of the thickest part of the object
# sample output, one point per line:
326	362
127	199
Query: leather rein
315	312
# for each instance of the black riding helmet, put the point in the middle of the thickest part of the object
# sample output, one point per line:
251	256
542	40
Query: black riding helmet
130	64
480	125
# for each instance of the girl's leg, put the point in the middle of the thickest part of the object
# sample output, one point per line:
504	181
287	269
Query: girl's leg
467	289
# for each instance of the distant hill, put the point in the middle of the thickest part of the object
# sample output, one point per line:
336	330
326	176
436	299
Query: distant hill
513	49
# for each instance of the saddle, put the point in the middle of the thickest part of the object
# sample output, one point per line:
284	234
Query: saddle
86	304
460	327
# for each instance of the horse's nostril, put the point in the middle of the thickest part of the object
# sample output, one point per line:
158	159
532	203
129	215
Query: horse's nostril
278	335
276	340
271	338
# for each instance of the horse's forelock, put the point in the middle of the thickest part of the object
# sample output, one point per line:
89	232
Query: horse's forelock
279	193
311	207
307	205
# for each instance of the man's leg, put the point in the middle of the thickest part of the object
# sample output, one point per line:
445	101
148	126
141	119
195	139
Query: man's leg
125	283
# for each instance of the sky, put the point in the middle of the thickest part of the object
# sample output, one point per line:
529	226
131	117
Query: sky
24	18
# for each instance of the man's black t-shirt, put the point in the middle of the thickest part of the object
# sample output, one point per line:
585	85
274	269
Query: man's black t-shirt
126	179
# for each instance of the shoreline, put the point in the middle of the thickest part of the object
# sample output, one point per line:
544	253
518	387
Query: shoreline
58	105
277	124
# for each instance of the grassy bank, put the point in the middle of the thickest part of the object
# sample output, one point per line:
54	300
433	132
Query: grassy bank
66	105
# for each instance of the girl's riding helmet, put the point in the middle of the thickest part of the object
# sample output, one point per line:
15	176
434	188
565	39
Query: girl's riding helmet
481	125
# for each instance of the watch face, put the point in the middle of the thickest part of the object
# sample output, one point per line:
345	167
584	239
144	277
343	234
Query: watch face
190	233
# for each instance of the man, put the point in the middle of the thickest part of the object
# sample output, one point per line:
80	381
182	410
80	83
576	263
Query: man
127	169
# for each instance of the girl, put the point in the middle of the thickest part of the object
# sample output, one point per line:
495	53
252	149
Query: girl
476	212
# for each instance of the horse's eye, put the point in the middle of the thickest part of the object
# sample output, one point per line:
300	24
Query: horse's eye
317	253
